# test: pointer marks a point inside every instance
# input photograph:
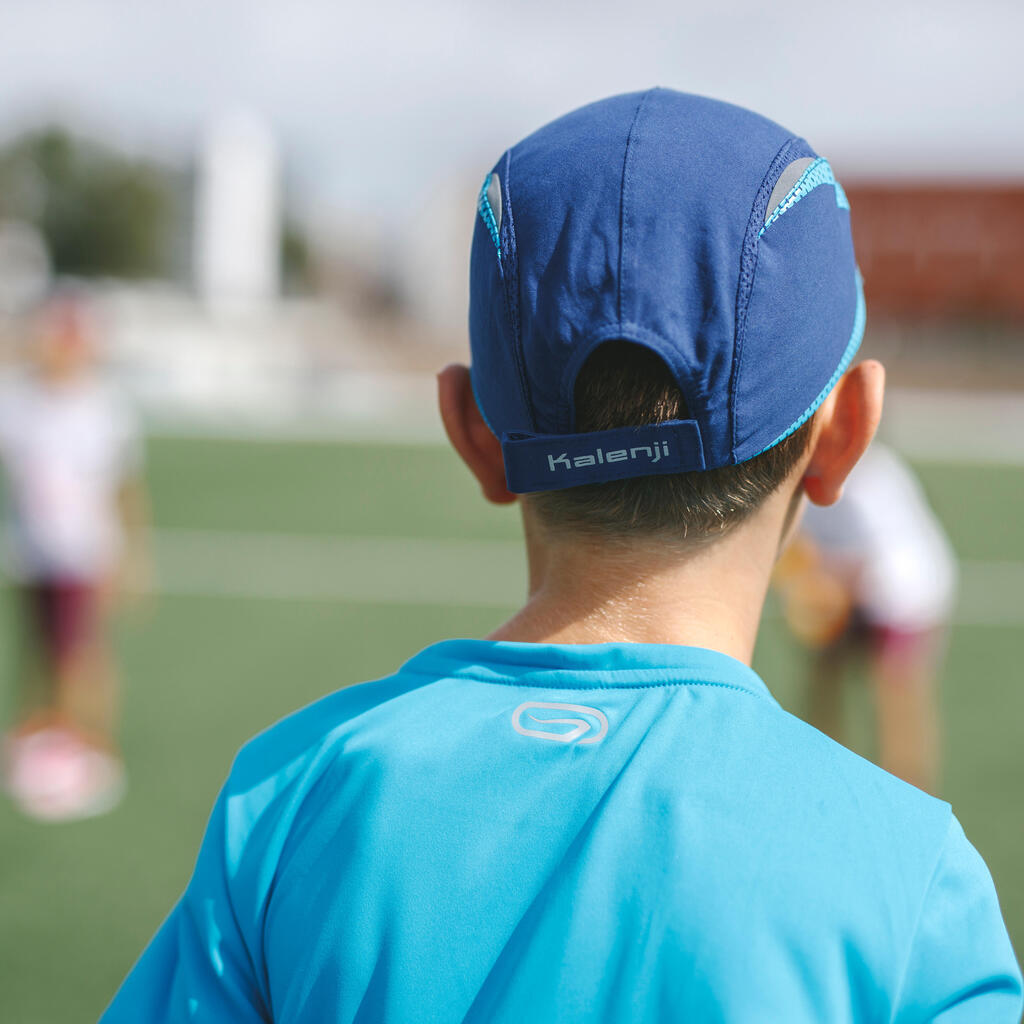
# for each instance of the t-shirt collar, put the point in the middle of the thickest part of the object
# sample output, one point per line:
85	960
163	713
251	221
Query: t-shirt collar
584	666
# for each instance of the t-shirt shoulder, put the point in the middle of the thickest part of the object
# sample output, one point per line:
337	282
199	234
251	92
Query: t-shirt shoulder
301	746
900	817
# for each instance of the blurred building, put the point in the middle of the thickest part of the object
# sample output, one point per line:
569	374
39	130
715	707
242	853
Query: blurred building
941	251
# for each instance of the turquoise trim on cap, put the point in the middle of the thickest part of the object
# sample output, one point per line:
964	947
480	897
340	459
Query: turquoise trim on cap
486	211
818	172
856	336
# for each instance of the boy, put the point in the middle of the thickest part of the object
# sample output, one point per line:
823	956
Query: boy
874	576
71	456
599	813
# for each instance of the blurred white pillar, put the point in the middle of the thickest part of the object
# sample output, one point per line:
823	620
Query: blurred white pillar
238	216
25	270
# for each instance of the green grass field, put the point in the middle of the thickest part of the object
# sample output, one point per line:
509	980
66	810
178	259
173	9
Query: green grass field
219	657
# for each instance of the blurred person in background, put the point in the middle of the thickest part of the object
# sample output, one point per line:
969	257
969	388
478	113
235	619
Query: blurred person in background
873	578
71	452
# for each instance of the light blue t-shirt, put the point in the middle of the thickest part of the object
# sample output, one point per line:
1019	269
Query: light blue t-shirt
511	833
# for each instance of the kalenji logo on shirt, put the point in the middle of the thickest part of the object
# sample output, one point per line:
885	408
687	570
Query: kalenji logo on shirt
652	452
595	723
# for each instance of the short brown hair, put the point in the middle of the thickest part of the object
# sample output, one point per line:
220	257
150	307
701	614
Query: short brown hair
627	385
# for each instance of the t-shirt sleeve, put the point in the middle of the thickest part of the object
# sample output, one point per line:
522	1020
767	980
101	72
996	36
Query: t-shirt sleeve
961	968
198	968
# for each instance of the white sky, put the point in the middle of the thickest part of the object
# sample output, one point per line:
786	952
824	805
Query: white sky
377	103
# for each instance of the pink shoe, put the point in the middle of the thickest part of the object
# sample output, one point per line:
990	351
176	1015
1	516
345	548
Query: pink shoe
53	775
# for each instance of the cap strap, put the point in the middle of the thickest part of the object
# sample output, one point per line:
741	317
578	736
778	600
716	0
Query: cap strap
551	462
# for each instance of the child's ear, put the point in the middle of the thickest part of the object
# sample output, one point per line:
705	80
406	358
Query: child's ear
844	427
470	436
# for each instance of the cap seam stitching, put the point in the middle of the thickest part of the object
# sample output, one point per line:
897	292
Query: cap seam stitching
744	287
511	289
622	196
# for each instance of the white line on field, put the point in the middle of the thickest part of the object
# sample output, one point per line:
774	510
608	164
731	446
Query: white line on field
927	425
399	570
956	426
405	570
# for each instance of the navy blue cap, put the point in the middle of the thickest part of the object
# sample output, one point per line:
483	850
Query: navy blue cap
703	231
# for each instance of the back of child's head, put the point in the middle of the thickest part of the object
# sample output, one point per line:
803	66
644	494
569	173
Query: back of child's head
663	291
625	385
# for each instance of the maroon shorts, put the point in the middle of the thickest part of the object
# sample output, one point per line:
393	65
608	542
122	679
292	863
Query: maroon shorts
919	646
63	614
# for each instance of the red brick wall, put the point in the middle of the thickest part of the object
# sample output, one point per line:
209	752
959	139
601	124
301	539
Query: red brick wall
940	251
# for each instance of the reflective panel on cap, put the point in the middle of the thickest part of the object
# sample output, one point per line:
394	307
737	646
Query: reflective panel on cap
787	179
489	207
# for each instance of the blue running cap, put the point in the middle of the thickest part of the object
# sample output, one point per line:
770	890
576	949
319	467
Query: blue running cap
707	233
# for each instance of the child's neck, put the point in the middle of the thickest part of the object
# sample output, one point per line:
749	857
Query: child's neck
585	592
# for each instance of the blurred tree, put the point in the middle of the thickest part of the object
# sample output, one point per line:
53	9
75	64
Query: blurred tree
296	259
101	213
